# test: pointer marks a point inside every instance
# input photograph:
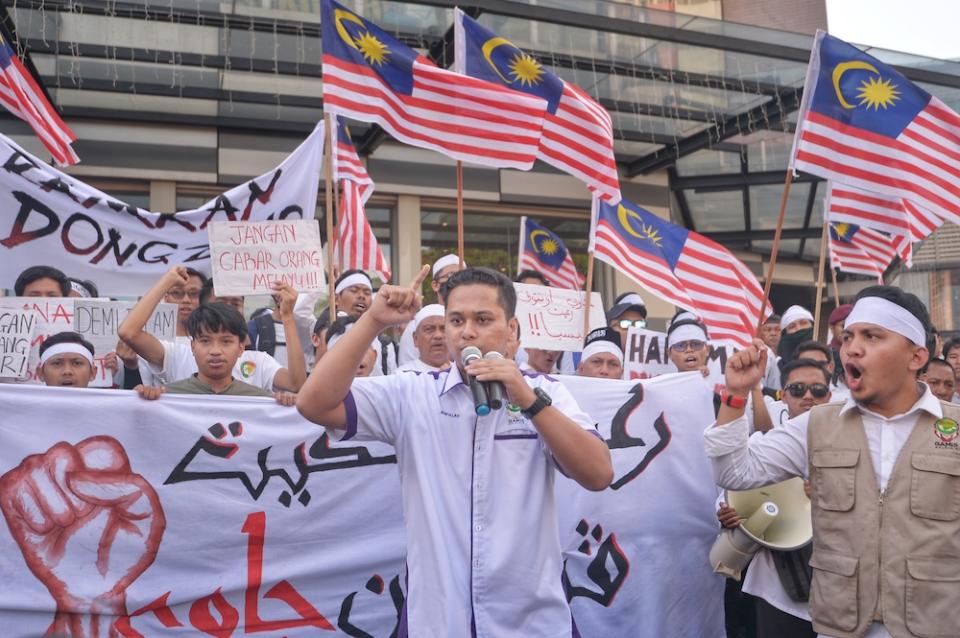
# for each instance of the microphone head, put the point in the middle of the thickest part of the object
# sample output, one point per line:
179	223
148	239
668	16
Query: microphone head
470	353
493	354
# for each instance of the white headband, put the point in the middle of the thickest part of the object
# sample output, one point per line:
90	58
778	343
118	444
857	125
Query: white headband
443	262
356	279
79	289
686	315
688	332
430	310
888	315
374	345
633	299
66	348
794	313
601	345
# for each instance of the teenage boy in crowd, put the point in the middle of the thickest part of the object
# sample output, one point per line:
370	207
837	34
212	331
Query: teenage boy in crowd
217	334
66	360
41	281
171	361
882	468
477	490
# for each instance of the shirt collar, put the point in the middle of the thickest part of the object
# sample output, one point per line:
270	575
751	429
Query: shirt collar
927	403
451	380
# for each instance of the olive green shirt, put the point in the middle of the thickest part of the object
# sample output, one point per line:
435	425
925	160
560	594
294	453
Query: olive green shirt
193	385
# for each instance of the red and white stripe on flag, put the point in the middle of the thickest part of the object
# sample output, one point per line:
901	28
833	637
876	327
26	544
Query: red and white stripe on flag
21	95
357	245
564	277
868	252
462	117
578	139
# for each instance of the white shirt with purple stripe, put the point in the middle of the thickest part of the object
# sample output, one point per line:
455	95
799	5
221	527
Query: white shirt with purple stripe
483	549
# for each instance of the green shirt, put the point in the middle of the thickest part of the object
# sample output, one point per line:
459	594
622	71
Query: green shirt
193	385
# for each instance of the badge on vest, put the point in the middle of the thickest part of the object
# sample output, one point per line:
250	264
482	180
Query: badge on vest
947	432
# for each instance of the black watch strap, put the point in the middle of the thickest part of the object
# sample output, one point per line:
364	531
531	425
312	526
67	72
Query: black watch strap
543	400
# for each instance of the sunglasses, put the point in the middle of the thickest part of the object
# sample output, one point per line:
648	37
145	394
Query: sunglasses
797	390
626	324
693	344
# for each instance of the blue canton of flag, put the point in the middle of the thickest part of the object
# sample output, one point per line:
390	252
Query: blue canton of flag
542	250
369	75
679	266
863	124
861	250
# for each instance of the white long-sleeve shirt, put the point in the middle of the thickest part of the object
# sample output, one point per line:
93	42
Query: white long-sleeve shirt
740	463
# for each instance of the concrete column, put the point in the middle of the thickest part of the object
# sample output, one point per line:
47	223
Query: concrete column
406	225
163	196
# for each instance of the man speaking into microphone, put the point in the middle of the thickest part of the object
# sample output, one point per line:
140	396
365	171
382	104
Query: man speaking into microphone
483	549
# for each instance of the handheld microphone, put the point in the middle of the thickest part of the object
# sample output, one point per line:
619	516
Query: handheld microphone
495	389
480	403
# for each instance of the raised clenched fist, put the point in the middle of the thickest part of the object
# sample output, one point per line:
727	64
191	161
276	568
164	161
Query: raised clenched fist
87	527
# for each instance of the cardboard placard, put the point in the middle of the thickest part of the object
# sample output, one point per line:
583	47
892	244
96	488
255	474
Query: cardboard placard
16	332
98	321
552	318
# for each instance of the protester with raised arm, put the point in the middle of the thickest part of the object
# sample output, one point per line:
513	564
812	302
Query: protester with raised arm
483	545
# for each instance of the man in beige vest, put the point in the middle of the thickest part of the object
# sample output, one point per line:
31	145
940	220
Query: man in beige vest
884	468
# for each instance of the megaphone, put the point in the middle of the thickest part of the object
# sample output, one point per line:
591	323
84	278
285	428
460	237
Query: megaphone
776	517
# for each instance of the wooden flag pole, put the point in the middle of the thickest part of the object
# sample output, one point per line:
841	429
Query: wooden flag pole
836	289
460	213
328	202
776	247
589	290
820	282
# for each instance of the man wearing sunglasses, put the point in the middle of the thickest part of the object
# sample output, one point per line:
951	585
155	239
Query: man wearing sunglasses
779	613
884	470
628	311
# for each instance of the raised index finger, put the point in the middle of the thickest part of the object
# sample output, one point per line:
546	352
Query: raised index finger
421	276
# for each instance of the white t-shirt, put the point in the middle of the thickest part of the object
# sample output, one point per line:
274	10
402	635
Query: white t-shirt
253	367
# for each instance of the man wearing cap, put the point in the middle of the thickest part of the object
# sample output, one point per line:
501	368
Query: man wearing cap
602	356
884	468
66	360
770	331
628	311
441	271
428	337
796	326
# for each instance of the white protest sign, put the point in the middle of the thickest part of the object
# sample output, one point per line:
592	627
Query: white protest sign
248	257
53	315
16	333
56	219
646	356
552	318
98	322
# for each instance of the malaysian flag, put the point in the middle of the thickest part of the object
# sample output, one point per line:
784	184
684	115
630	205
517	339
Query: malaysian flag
23	97
370	76
357	246
860	250
865	125
577	132
681	267
905	222
542	250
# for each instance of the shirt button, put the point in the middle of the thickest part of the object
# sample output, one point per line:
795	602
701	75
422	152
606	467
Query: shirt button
476	563
478	528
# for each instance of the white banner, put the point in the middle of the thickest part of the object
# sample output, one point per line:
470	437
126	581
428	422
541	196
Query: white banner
646	356
552	318
248	257
225	516
98	320
16	333
50	218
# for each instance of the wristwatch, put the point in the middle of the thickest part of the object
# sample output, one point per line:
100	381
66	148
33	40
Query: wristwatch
543	400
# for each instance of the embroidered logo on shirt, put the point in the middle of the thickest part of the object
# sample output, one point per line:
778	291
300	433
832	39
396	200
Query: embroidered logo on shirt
247	368
946	430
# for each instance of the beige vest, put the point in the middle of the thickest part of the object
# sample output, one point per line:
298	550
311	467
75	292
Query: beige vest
891	557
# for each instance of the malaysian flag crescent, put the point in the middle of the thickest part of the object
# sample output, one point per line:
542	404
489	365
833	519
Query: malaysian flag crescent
681	267
369	75
863	124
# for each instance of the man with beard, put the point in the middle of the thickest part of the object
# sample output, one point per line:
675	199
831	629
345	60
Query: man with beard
883	468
